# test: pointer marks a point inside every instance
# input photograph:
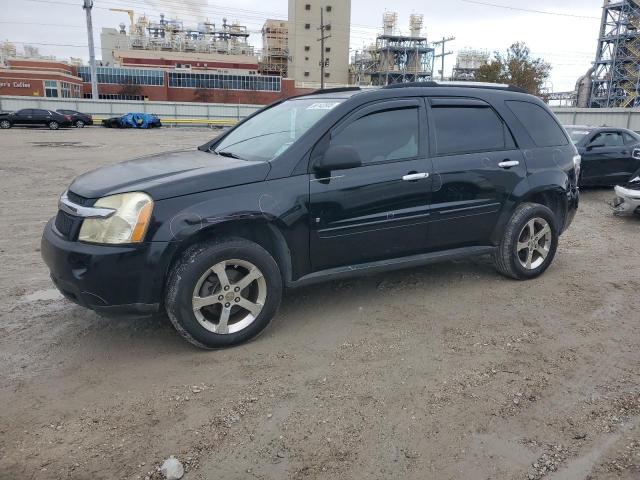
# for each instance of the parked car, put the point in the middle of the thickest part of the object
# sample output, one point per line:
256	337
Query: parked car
79	119
30	117
133	120
627	200
609	155
319	187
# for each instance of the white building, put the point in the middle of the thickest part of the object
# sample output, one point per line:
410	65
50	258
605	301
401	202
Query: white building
304	47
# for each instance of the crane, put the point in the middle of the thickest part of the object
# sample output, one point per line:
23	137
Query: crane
128	12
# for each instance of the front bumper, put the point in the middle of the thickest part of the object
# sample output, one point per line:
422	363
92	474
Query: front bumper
108	279
627	201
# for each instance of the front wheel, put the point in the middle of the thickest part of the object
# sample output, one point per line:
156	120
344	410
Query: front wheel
528	243
224	293
4	124
53	125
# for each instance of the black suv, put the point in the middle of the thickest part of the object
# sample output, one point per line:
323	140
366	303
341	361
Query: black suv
30	117
318	187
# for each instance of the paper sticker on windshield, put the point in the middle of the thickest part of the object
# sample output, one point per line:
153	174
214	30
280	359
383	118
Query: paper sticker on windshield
323	106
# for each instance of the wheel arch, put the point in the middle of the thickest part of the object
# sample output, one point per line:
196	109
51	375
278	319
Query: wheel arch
260	231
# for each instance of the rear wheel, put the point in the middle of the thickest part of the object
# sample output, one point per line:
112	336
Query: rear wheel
528	244
53	125
223	294
79	124
5	124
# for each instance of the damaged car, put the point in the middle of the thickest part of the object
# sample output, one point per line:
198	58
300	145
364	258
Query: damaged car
627	200
133	120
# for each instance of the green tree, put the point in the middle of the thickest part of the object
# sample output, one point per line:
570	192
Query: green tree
516	68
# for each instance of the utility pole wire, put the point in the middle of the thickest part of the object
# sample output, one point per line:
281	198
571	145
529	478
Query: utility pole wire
443	54
323	37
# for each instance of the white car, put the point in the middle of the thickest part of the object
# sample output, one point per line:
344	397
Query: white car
627	200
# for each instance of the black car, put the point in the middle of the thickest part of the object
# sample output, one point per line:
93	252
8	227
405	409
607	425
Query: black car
319	187
609	155
79	119
30	117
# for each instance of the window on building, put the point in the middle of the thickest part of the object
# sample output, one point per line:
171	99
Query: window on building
467	129
542	127
307	48
327	49
327	27
306	59
306	74
307	6
328	8
50	88
327	75
224	81
383	136
307	26
126	76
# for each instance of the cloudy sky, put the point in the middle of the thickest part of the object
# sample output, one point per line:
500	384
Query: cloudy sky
563	33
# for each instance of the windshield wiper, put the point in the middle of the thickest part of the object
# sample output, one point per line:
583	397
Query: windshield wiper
227	154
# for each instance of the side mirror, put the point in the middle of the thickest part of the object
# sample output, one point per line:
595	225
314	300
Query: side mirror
338	157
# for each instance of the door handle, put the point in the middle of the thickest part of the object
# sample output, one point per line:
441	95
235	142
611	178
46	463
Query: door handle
412	177
509	164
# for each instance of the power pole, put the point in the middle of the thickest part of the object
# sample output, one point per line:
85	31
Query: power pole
323	63
443	54
88	5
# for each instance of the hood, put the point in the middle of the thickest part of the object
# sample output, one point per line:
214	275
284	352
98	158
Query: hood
170	174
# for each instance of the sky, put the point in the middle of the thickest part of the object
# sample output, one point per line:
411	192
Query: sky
562	33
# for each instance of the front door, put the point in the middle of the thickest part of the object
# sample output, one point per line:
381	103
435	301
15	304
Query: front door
379	210
607	160
23	117
476	167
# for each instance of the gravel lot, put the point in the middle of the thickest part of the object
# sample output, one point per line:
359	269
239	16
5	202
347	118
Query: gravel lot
444	372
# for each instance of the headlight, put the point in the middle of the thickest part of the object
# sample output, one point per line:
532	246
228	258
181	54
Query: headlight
128	224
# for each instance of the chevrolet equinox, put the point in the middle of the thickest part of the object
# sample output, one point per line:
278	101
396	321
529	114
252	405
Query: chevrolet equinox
318	187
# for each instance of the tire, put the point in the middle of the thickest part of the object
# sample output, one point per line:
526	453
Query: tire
79	124
53	125
520	255
196	277
5	124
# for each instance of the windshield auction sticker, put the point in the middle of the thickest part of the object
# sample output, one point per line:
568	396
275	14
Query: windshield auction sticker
322	106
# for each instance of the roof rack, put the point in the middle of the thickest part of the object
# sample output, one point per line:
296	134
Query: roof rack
335	90
431	84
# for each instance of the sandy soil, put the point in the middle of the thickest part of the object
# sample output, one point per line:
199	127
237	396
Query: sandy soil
445	372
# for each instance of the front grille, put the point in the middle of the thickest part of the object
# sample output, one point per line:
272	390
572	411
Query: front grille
65	223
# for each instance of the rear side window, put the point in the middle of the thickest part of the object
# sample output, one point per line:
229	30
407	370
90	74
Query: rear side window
608	139
467	130
542	127
383	136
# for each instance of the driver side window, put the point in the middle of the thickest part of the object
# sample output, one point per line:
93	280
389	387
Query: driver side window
608	139
382	136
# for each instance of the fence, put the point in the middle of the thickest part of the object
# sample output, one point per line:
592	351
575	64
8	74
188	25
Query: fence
169	112
599	117
228	114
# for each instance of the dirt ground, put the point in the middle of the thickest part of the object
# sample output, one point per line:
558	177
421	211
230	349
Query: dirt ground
443	372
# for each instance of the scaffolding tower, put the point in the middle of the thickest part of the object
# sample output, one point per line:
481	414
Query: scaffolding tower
275	48
467	64
616	79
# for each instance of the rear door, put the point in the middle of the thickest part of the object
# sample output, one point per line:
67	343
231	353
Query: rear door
476	166
607	160
41	117
381	209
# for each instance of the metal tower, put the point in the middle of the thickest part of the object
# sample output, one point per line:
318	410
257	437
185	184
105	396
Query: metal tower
616	79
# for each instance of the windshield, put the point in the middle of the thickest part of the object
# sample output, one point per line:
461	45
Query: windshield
577	134
272	132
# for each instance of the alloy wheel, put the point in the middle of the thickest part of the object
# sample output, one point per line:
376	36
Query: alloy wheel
5	124
229	296
79	124
534	243
54	125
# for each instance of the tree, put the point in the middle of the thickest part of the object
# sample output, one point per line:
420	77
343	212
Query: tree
516	68
129	89
203	95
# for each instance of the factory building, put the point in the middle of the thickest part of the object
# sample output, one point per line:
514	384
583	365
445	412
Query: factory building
467	64
304	47
395	57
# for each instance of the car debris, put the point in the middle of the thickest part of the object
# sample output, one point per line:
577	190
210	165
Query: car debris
627	201
133	120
